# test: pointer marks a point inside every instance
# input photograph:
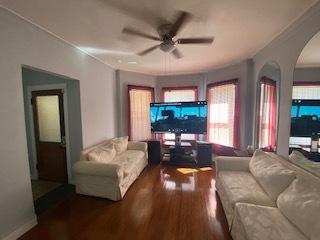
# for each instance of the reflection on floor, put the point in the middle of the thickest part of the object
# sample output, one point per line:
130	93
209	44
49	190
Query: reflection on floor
40	188
162	203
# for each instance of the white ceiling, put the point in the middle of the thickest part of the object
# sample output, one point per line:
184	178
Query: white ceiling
310	55
240	28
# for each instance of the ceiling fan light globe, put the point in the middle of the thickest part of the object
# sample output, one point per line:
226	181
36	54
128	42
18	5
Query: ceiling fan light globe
166	47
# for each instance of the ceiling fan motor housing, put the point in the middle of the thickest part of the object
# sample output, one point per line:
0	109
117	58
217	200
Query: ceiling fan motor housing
167	46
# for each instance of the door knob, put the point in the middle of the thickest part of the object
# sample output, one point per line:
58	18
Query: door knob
63	141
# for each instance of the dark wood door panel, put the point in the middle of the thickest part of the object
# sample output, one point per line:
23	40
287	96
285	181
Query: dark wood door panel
51	155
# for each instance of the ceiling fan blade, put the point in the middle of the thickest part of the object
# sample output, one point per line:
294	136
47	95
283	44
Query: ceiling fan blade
181	20
148	50
207	40
177	53
134	32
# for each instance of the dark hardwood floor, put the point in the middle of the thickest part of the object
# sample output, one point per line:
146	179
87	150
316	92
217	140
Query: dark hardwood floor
162	204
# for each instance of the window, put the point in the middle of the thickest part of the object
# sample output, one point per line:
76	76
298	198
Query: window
309	91
306	92
180	94
268	114
223	118
139	112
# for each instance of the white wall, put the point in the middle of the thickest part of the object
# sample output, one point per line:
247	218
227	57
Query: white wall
124	79
23	43
285	50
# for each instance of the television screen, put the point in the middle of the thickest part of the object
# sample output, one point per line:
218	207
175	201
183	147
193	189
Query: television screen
305	118
179	117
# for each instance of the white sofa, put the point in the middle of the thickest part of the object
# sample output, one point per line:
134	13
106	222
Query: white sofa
267	198
110	179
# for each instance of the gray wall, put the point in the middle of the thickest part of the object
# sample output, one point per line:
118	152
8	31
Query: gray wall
22	43
285	50
32	77
124	79
185	80
307	74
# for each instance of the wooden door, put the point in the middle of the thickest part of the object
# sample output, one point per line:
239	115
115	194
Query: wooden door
48	116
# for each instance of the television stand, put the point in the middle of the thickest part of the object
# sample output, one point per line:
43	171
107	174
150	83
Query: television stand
179	153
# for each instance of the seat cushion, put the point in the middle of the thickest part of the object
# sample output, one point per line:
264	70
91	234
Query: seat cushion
239	186
300	203
273	177
242	187
128	160
254	222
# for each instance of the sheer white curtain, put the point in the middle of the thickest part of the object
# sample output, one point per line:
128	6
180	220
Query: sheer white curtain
306	92
268	115
221	103
140	100
179	95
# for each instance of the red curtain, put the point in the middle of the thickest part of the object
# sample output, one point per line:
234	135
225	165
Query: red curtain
268	115
223	113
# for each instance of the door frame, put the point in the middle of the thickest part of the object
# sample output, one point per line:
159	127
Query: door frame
30	89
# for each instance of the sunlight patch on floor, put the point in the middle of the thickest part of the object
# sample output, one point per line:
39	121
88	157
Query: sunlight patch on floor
187	170
205	168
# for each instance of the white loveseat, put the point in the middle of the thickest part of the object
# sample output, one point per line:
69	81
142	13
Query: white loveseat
267	198
110	178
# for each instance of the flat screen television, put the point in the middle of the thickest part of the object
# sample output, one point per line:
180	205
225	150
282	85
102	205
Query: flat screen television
179	117
305	118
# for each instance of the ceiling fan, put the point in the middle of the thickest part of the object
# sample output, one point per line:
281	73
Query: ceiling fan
167	33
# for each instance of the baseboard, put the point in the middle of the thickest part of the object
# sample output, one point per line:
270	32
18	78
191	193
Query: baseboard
22	229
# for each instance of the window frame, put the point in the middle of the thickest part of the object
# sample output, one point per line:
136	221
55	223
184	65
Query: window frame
137	87
237	105
306	84
168	89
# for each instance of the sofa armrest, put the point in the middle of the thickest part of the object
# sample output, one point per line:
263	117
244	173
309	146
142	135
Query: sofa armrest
140	146
232	164
98	169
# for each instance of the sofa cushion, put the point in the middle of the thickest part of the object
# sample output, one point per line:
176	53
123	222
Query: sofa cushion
300	203
102	154
297	156
254	222
273	177
120	144
128	160
242	187
299	159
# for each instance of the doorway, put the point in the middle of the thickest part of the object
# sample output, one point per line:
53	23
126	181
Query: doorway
54	134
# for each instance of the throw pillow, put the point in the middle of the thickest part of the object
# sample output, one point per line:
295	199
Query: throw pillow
297	156
120	144
273	177
102	154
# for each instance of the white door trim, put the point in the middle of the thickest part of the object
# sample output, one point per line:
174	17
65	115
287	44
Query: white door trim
32	88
